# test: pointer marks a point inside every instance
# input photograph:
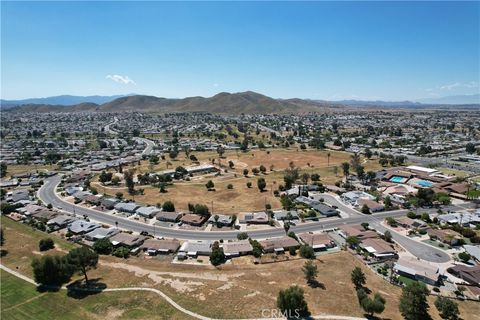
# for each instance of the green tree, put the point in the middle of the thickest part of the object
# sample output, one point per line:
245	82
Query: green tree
291	302
128	176
51	270
365	209
3	169
168	206
346	169
261	184
464	256
387	202
358	278
103	246
352	241
310	271
388	236
447	308
217	256
242	236
121	252
249	184
413	302
375	305
2	237
46	244
83	259
307	252
209	185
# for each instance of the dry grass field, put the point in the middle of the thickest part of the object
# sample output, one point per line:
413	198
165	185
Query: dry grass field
240	198
22	169
235	290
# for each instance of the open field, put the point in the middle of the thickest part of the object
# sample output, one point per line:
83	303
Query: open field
21	300
21	244
208	290
240	198
21	169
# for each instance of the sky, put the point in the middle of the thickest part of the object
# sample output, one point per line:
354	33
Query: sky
316	50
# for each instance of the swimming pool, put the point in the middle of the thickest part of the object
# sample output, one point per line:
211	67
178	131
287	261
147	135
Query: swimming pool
397	179
425	183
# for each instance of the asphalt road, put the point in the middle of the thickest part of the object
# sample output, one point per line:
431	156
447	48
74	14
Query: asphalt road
149	145
47	195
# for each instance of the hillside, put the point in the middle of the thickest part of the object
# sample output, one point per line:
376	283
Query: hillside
227	103
63	100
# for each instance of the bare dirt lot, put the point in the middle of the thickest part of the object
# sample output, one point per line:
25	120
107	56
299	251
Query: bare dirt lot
240	198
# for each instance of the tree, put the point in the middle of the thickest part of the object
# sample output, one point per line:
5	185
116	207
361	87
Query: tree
286	226
375	305
307	252
352	241
470	148
305	178
103	246
310	271
121	252
413	302
249	184
447	308
291	302
365	209
173	153
128	176
2	237
46	244
368	153
315	177
387	202
119	195
3	169
209	185
358	278
217	256
261	184
245	172
464	256
168	206
388	236
83	259
51	270
346	169
242	236
263	169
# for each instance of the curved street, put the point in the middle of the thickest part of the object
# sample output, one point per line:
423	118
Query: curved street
423	251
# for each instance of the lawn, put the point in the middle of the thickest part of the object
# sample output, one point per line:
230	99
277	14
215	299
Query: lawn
21	300
21	244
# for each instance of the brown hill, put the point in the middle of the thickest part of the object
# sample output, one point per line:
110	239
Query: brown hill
224	103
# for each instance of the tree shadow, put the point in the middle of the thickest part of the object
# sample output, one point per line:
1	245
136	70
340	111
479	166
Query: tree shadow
42	288
316	284
81	290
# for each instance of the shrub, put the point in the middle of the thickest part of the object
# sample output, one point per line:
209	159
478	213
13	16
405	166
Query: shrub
46	244
121	252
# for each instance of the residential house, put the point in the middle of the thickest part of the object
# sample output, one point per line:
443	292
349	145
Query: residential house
126	240
169	216
470	275
128	207
417	269
281	215
318	241
378	248
445	235
372	205
60	222
82	227
353	196
109	203
101	233
193	219
279	245
223	220
148	212
164	246
195	248
237	248
356	230
253	218
323	209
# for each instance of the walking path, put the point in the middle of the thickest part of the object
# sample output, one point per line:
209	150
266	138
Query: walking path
164	296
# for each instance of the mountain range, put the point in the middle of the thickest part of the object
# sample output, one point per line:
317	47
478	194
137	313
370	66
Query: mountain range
223	103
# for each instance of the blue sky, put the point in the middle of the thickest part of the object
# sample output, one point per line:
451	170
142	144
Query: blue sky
318	50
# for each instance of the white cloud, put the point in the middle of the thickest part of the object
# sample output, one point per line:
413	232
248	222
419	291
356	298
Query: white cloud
471	84
120	79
